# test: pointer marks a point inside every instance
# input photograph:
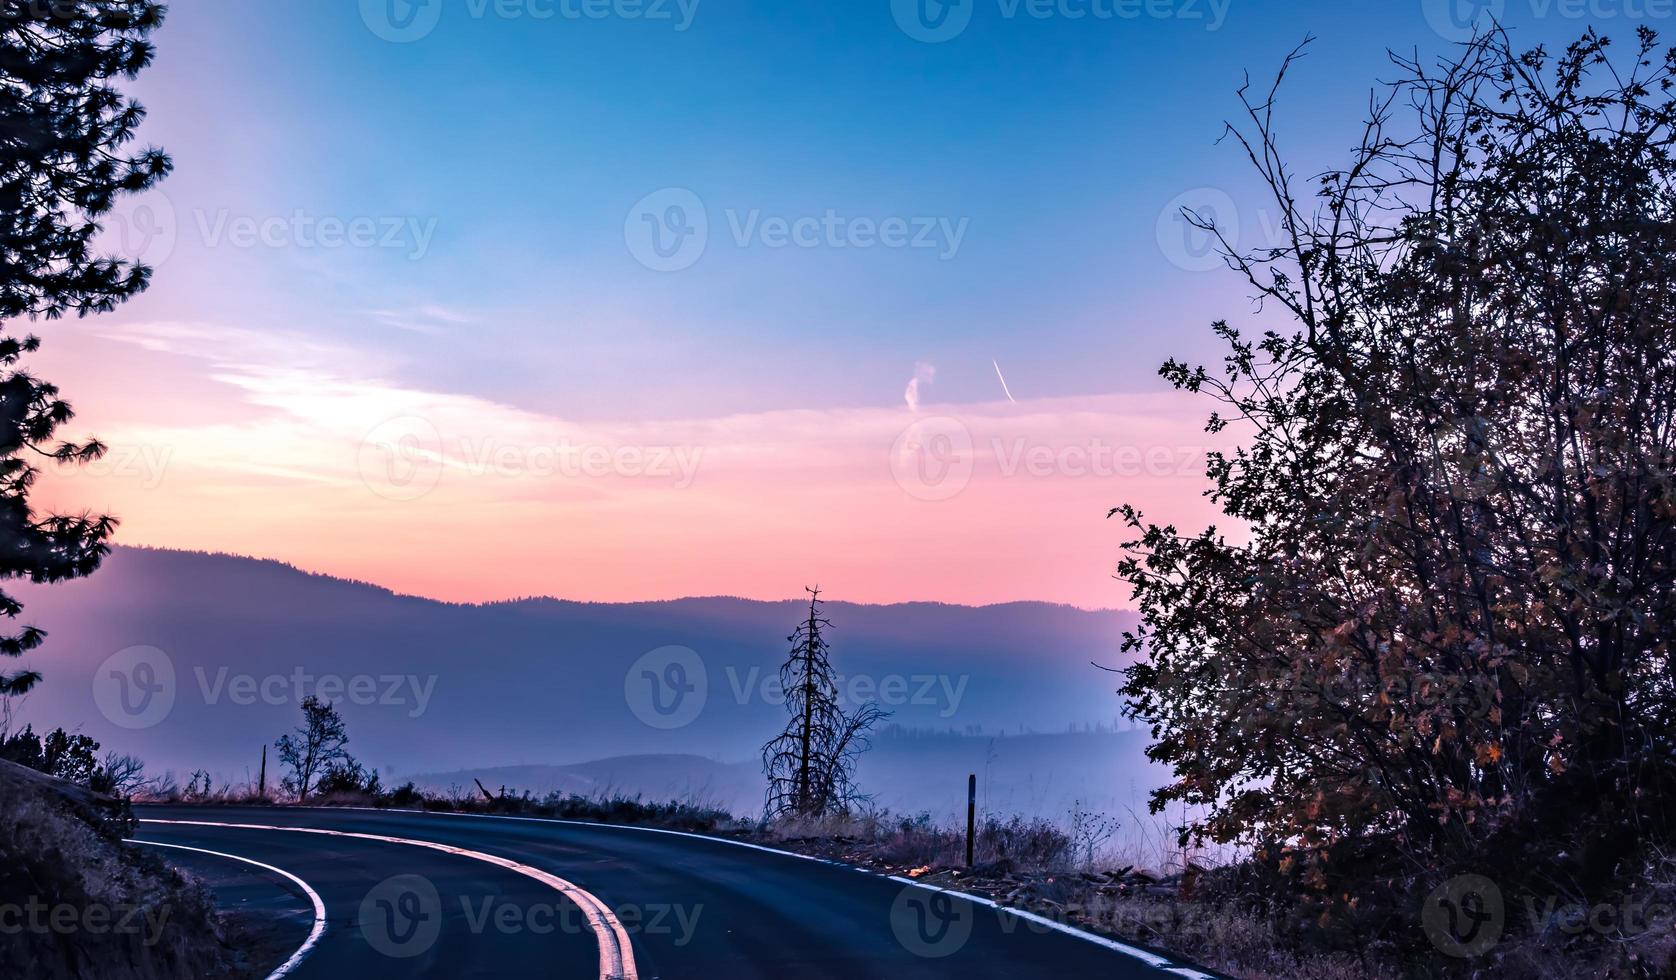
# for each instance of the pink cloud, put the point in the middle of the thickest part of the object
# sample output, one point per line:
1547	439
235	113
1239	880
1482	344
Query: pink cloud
464	498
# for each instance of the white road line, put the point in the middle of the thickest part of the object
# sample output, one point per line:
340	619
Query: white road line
616	953
1149	958
313	897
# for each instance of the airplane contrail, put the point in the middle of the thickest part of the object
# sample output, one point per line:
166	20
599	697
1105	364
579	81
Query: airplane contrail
1003	378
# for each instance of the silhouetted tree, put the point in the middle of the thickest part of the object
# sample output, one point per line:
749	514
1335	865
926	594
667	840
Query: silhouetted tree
61	754
811	765
1441	636
120	774
71	757
64	161
316	748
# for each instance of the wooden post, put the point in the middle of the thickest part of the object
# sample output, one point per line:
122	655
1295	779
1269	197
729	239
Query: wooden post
262	780
971	813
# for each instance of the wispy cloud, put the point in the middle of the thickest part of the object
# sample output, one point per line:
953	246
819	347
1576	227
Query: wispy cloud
315	455
430	320
924	374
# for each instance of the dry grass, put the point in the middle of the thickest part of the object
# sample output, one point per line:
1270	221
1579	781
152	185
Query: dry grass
1219	937
1143	891
1037	865
84	905
916	844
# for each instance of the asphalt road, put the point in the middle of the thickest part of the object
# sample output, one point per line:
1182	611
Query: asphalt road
687	906
268	917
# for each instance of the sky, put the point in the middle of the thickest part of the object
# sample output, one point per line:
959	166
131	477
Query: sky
636	299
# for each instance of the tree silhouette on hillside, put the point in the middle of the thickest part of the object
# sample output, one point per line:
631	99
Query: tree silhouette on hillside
811	765
1440	640
316	749
65	159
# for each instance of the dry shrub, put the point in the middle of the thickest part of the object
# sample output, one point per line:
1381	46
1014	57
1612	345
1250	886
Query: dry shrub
1223	937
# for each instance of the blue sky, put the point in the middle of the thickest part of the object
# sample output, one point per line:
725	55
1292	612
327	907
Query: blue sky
458	225
528	139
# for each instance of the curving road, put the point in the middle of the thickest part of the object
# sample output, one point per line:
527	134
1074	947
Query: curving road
410	895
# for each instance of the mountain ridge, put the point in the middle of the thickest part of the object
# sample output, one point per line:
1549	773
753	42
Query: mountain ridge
232	645
284	565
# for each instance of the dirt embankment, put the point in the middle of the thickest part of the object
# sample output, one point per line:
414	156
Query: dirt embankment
76	903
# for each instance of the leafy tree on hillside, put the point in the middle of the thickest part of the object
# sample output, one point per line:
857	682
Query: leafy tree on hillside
349	776
69	757
73	757
24	748
1438	639
811	765
315	749
65	159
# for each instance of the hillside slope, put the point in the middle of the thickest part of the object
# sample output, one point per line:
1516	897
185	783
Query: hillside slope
195	661
61	849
